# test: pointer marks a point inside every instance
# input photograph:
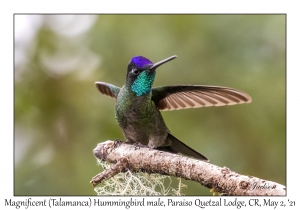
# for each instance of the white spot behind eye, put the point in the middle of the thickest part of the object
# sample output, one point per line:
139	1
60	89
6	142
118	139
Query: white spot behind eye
135	71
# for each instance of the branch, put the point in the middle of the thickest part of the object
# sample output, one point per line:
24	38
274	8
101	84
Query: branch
220	179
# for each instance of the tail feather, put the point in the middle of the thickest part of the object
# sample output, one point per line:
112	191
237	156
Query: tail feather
179	147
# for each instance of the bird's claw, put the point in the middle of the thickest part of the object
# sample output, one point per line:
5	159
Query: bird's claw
117	143
137	146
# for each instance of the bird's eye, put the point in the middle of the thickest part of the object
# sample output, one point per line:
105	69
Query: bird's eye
135	71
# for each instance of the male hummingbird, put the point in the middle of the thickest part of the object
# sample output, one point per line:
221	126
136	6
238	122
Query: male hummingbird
138	105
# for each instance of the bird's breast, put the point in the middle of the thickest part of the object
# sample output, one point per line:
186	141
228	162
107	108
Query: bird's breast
140	120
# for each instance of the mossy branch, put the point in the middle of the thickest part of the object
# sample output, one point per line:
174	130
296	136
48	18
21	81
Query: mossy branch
220	179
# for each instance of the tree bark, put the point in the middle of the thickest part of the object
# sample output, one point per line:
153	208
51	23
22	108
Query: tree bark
220	179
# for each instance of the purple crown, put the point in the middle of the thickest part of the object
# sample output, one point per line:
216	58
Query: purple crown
141	61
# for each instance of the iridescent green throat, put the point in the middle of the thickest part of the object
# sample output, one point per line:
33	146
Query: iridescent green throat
143	83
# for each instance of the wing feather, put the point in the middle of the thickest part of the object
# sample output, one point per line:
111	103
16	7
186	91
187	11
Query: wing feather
195	96
107	89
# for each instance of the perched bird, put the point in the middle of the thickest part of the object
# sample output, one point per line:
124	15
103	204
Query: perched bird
138	105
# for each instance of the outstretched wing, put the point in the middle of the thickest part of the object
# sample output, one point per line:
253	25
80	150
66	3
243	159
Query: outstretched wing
108	89
194	96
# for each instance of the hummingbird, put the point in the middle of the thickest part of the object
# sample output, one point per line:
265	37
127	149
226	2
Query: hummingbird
138	105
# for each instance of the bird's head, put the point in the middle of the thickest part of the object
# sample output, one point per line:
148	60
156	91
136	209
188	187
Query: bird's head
141	74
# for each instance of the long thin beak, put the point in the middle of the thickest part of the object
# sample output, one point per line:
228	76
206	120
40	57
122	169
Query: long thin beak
154	66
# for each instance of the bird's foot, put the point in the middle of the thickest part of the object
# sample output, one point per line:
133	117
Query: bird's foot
137	146
117	143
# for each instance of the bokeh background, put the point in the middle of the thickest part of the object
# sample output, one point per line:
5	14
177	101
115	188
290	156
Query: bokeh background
60	116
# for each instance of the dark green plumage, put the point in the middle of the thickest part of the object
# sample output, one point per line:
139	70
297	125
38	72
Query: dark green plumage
138	105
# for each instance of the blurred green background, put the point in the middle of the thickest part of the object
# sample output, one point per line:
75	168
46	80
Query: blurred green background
60	116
